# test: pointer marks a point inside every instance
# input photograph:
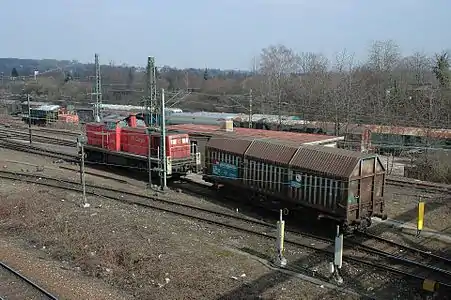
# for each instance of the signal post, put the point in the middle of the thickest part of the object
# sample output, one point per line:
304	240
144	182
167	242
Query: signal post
81	140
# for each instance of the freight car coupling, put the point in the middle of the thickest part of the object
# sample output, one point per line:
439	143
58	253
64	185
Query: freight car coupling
361	226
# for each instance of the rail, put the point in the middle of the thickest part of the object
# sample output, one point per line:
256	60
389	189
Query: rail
24	289
394	181
17	146
355	252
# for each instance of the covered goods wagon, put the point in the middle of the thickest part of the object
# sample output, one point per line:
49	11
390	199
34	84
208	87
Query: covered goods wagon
338	184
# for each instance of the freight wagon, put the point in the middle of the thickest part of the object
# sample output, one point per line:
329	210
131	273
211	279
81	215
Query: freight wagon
46	114
120	142
337	184
43	115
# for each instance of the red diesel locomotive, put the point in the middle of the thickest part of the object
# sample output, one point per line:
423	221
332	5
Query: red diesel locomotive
121	142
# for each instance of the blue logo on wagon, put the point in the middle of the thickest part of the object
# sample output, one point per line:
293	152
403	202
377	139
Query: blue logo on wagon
225	170
295	184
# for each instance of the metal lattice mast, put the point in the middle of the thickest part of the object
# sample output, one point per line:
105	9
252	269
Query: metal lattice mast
150	103
98	89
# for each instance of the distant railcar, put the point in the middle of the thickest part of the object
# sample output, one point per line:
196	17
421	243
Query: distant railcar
43	115
338	184
46	114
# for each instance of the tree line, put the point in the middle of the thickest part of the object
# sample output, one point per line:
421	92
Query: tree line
386	88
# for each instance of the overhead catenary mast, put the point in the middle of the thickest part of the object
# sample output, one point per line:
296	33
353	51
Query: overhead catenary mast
98	89
150	102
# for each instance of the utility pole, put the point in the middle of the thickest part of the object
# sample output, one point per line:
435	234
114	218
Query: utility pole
150	102
250	108
98	89
30	134
163	144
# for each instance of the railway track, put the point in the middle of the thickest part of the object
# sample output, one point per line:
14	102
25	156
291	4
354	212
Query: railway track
368	246
23	127
23	135
19	135
419	185
411	266
405	251
15	286
69	133
14	145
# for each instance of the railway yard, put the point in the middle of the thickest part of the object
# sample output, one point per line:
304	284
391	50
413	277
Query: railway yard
133	242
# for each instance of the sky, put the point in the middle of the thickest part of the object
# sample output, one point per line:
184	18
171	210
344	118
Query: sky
223	34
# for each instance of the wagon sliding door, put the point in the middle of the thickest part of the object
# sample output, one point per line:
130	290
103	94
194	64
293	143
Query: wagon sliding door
263	176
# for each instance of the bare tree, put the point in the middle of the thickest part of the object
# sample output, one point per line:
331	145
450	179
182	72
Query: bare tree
384	57
309	88
278	64
417	68
345	99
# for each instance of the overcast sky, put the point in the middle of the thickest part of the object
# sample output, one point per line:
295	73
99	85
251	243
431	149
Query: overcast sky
215	33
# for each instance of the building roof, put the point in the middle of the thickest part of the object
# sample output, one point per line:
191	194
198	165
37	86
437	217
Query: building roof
35	103
47	107
383	129
129	108
293	137
216	115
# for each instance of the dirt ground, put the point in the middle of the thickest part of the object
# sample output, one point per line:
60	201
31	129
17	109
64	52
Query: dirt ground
402	205
143	254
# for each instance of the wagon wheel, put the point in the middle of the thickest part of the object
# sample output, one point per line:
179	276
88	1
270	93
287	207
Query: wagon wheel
365	224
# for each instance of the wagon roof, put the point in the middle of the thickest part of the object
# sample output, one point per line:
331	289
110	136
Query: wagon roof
237	146
275	152
332	161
